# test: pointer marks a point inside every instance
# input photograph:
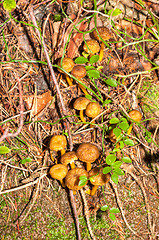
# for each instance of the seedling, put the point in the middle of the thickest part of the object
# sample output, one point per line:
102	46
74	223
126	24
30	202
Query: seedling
111	211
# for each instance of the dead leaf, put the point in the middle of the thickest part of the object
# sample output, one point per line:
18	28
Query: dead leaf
37	103
76	41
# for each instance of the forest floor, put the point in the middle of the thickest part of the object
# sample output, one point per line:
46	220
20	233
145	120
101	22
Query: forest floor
36	102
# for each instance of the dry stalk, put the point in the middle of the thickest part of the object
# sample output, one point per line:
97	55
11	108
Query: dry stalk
86	211
64	112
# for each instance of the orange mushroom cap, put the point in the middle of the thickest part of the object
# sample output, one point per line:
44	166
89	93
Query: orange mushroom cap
92	46
93	109
81	103
68	158
57	143
104	33
58	171
67	64
73	177
87	152
97	177
79	71
135	115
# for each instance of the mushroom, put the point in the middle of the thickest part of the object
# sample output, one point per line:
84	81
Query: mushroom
105	35
97	178
112	136
92	110
67	64
73	177
58	172
88	152
135	115
81	104
69	158
57	143
91	47
79	72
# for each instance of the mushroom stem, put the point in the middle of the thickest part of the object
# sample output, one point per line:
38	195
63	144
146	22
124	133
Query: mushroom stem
88	166
81	116
94	189
74	192
101	52
52	158
62	183
129	130
83	88
69	80
62	152
72	164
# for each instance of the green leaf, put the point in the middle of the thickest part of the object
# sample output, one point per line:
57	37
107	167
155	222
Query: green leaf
117	164
129	142
88	97
114	210
93	74
83	180
121	144
8	5
114	120
112	216
106	102
114	178
123	125
94	59
111	82
107	170
4	150
118	171
123	120
104	208
110	159
90	68
25	160
117	132
81	60
115	12
126	160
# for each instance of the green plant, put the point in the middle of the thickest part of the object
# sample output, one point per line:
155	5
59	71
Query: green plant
4	150
112	211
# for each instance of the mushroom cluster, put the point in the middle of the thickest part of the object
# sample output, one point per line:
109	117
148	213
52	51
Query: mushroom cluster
86	153
92	109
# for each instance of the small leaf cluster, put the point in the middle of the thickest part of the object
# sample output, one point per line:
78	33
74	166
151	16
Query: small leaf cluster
121	127
112	211
93	72
114	166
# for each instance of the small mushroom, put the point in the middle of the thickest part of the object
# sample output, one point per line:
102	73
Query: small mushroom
92	110
58	172
97	178
112	136
105	35
91	46
81	104
79	72
88	152
73	177
69	158
135	115
67	64
57	143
